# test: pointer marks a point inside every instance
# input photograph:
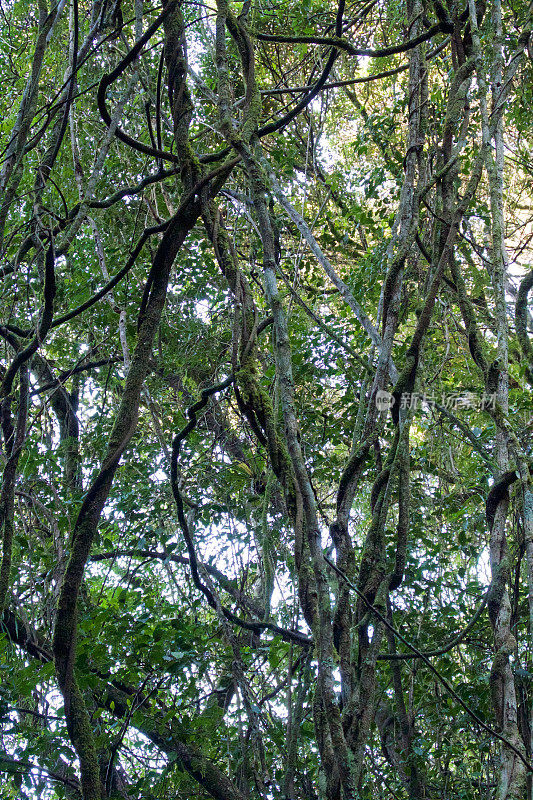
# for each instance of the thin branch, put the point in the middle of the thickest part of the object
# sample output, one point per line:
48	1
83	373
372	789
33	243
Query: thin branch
427	662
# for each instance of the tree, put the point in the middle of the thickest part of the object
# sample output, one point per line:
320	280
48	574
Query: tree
266	506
